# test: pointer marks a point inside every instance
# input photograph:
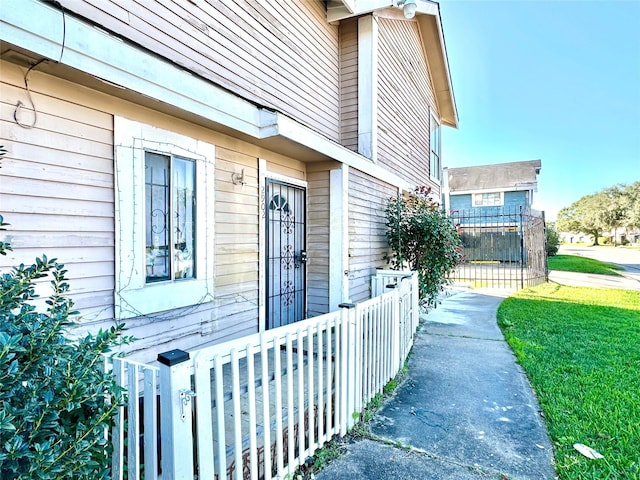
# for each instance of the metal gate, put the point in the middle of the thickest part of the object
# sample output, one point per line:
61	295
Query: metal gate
286	253
502	247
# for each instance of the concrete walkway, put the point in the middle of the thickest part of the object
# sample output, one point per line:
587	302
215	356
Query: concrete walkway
464	411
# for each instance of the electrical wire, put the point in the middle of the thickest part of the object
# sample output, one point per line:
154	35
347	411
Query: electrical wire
19	104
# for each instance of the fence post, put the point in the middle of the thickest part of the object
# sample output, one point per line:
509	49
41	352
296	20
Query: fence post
349	368
175	415
396	332
522	245
415	302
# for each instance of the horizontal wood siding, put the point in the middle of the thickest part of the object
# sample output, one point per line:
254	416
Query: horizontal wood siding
367	241
57	192
318	243
236	239
278	53
405	96
56	189
349	84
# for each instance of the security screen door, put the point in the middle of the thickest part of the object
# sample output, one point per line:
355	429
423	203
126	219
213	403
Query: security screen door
286	253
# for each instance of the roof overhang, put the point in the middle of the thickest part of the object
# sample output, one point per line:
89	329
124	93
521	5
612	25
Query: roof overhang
31	30
433	44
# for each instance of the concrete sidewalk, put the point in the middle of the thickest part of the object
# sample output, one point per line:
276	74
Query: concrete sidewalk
465	409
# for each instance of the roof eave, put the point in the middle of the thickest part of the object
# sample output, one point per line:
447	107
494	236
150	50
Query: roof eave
433	45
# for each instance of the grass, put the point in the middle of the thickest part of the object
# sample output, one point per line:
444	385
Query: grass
573	263
580	350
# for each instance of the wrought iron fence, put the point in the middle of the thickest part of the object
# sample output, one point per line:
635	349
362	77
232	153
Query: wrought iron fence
502	247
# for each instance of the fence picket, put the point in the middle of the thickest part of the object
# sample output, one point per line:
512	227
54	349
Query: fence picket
310	393
204	414
266	416
220	417
253	448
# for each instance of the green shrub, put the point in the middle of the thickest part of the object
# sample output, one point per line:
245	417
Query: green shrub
56	400
423	238
553	241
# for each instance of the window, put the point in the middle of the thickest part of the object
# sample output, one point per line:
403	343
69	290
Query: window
164	219
435	165
487	199
169	217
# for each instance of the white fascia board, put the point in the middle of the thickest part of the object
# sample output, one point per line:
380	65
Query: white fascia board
303	135
354	8
515	188
37	27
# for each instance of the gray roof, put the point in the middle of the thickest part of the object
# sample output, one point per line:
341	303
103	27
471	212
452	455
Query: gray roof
516	175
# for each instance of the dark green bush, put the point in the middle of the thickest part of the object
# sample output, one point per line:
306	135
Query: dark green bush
423	238
553	241
56	400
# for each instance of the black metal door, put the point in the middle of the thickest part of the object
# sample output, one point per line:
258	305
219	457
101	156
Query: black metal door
286	253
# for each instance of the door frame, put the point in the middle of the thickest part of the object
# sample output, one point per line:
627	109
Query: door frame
264	173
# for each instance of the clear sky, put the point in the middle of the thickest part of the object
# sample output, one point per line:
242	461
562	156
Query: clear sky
557	81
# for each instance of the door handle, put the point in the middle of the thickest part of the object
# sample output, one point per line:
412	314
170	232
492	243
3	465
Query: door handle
301	258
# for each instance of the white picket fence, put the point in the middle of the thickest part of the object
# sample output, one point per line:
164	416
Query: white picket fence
259	406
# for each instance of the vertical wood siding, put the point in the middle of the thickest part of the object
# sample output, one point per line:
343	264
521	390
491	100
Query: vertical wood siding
405	96
318	243
56	188
279	53
349	84
367	241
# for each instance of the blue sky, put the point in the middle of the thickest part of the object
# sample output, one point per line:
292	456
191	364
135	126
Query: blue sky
557	81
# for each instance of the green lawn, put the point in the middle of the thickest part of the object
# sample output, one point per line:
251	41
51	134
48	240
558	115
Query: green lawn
573	263
580	348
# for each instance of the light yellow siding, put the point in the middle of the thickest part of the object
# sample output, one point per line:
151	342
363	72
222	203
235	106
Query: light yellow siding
349	84
405	97
367	241
279	53
57	192
318	243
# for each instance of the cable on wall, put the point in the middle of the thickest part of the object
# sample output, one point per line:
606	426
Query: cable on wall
19	104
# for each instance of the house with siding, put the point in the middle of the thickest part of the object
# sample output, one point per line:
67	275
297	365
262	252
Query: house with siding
491	204
484	189
211	169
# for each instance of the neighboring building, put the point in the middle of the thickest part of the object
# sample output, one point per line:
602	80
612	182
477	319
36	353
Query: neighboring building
210	169
491	204
487	188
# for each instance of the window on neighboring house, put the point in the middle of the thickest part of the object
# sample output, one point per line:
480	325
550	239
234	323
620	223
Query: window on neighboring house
164	212
487	199
435	165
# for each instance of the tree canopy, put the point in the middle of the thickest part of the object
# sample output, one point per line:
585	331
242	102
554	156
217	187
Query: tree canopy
606	210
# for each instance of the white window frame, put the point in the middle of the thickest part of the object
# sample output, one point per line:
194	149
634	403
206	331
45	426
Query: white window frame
438	168
481	204
133	295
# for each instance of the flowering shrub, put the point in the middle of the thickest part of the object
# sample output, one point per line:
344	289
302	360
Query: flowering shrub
424	239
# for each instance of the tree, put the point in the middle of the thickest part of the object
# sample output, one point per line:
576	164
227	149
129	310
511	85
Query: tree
584	215
423	238
553	240
632	214
607	210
